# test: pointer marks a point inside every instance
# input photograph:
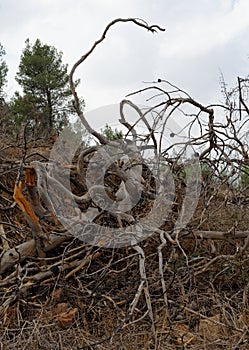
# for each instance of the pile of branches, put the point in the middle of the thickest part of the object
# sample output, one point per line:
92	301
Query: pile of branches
141	227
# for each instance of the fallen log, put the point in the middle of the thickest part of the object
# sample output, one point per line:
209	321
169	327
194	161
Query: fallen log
28	249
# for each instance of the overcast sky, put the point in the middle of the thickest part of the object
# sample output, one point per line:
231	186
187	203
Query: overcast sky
202	39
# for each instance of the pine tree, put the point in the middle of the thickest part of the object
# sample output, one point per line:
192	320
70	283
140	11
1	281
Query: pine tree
44	80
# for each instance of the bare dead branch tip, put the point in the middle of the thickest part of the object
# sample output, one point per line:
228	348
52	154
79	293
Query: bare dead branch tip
138	22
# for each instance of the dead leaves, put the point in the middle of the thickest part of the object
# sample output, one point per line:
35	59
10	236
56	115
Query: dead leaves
182	335
210	330
64	315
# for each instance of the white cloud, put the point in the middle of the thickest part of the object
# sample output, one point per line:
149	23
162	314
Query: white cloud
199	35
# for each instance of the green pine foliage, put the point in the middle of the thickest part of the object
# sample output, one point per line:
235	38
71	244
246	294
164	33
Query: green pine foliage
112	134
46	98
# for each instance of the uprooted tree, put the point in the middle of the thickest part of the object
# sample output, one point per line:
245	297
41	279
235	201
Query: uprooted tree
179	174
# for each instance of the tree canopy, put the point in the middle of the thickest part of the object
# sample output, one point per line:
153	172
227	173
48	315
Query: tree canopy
44	80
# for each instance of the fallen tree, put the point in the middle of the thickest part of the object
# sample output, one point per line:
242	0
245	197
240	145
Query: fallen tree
179	175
